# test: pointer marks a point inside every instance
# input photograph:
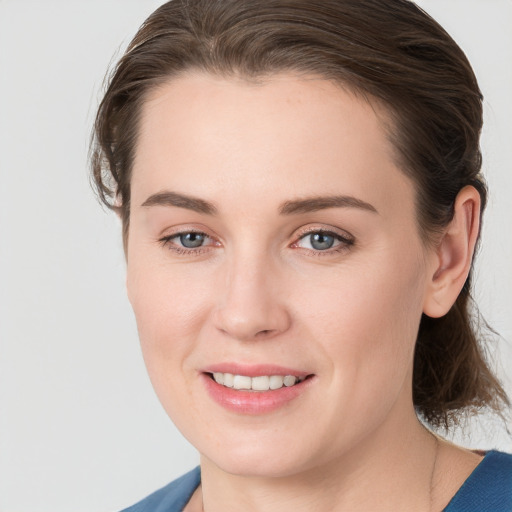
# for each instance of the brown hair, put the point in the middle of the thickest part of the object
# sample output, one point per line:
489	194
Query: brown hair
387	50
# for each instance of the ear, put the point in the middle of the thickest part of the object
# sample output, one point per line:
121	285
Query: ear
453	256
117	206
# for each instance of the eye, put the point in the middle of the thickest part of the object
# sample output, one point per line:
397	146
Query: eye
323	241
187	241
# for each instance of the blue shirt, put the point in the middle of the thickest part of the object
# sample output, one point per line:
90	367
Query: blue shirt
487	489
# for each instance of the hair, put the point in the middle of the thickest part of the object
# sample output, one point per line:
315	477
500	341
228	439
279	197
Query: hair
388	51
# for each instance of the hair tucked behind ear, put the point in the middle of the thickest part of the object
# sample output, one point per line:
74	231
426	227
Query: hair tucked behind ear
450	372
389	51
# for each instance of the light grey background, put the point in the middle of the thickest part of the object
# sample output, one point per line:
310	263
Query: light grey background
80	427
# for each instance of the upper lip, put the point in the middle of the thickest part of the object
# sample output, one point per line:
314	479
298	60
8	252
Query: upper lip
253	370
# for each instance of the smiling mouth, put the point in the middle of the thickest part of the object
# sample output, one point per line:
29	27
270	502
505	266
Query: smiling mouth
259	383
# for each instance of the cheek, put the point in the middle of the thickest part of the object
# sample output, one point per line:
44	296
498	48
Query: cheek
370	319
169	307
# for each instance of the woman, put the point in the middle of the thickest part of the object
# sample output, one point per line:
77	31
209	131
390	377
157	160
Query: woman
299	185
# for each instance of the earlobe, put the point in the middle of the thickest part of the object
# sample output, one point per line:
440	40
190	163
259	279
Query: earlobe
454	254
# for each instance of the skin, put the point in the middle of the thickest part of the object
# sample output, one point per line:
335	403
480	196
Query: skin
258	292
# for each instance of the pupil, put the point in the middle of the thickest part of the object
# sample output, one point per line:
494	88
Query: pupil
192	240
321	241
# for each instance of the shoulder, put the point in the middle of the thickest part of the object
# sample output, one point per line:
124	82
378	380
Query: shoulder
171	498
488	488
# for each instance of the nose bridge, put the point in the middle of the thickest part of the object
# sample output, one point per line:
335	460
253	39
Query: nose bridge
251	304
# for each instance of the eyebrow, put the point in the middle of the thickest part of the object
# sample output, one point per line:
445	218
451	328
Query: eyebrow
293	207
181	201
314	204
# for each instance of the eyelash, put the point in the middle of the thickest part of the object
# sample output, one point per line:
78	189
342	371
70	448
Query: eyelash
345	242
166	242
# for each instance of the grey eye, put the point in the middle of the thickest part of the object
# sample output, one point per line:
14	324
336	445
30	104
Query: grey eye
321	241
192	240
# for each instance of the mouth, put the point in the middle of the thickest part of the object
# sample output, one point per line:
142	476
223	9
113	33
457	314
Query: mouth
260	383
255	390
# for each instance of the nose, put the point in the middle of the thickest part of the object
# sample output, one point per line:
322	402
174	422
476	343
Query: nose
252	305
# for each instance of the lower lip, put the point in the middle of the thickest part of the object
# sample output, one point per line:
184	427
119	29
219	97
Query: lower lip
253	402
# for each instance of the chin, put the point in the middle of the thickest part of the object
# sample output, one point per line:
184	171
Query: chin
264	460
256	467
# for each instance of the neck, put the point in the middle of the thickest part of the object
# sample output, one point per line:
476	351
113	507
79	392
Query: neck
395	466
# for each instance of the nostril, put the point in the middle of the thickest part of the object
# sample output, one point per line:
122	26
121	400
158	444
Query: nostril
263	333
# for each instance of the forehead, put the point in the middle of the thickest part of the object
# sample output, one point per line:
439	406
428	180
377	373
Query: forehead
284	136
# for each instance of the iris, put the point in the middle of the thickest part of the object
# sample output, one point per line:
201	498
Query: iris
321	241
192	240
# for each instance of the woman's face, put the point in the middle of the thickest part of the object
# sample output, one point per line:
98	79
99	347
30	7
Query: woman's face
271	235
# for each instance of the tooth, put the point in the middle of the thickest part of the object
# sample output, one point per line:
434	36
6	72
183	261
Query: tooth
275	382
289	380
260	383
228	380
242	382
